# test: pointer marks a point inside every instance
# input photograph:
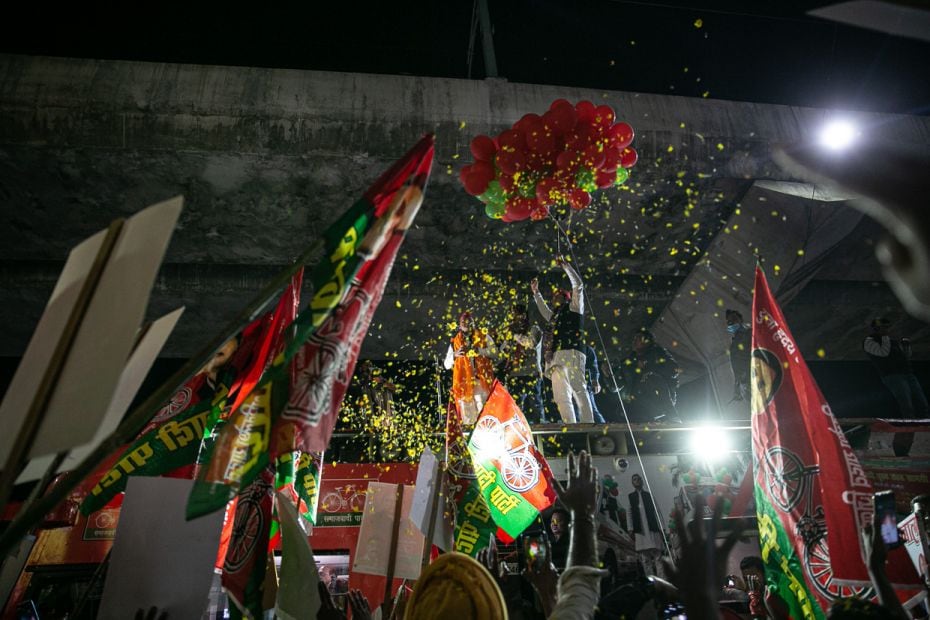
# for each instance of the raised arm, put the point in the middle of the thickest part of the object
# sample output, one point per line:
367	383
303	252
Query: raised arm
540	302
577	303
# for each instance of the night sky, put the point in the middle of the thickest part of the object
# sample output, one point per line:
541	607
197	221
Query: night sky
752	51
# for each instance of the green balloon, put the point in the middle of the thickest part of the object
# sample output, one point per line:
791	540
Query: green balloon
491	211
622	175
495	191
585	179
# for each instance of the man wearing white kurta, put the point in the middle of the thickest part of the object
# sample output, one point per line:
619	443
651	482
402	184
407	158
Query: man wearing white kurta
565	357
646	530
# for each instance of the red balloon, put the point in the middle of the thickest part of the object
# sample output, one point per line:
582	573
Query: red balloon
475	184
510	161
604	179
593	156
567	160
464	173
562	119
526	121
539	140
477	179
482	147
505	218
585	111
561	103
580	136
578	199
611	160
507	182
520	207
621	135
628	157
548	191
511	138
541	212
604	116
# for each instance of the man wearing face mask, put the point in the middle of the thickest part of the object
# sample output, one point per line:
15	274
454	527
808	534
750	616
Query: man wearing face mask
740	352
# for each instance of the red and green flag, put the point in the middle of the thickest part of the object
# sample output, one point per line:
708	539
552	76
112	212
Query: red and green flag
812	495
247	554
307	483
295	402
324	361
512	475
473	523
237	440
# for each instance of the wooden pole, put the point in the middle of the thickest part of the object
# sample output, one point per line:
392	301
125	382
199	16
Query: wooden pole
141	415
395	534
431	528
32	424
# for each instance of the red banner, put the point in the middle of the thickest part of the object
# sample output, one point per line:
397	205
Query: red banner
805	465
323	367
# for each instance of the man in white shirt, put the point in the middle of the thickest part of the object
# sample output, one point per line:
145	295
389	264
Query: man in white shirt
565	358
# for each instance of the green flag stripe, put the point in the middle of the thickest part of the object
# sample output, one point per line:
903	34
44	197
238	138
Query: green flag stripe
163	449
509	509
782	564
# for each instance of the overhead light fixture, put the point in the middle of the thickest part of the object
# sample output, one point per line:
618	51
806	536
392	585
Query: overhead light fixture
710	443
838	135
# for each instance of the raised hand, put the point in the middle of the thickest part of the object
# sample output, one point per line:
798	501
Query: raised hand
580	496
701	565
361	609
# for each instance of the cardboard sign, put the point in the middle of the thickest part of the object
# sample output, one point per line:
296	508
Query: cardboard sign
429	493
159	559
373	551
104	337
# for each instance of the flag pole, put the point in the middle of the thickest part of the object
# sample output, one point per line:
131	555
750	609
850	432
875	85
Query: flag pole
141	415
395	534
433	505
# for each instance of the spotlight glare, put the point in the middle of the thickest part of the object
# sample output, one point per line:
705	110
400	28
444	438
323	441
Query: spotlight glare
709	443
838	135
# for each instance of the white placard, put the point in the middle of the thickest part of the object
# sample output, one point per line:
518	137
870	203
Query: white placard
374	536
429	477
103	342
159	559
138	366
298	593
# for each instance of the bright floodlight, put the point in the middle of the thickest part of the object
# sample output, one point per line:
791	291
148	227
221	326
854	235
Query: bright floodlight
709	443
838	135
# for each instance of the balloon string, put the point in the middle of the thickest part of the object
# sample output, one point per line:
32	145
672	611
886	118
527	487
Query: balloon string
613	378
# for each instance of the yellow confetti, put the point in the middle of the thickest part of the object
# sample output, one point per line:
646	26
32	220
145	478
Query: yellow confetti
461	124
821	353
698	23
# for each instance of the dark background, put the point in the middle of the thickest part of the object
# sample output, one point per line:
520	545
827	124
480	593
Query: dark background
752	51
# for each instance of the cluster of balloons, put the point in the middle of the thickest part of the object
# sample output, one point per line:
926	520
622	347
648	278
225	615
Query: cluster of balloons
558	158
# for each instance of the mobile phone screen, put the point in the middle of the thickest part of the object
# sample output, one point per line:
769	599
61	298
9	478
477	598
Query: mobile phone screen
535	548
887	518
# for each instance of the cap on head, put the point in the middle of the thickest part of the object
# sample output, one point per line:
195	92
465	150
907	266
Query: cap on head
456	586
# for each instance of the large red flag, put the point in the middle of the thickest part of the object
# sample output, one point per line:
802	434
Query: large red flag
810	487
323	366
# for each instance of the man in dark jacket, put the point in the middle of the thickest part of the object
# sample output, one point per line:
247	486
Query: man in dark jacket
651	380
892	359
592	379
740	353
